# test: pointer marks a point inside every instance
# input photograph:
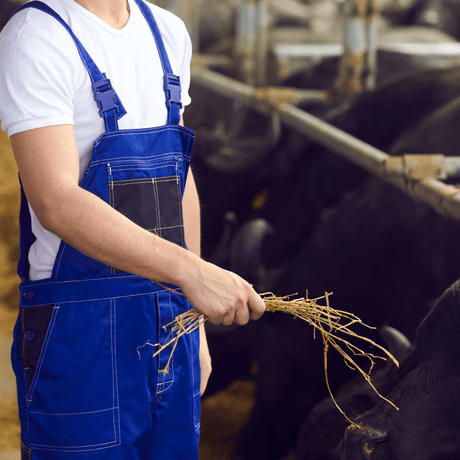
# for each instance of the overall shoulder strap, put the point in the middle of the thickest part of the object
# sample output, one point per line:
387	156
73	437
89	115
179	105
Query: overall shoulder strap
171	84
110	106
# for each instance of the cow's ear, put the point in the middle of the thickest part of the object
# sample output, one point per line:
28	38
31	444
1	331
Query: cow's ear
395	341
437	333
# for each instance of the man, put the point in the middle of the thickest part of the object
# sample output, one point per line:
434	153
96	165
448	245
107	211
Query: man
87	385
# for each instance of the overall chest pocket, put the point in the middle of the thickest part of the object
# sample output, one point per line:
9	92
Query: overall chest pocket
149	192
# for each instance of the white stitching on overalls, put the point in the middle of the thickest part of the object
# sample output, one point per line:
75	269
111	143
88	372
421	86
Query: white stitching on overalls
74	448
116	433
74	413
157	204
179	197
23	340
113	338
42	354
136	132
59	256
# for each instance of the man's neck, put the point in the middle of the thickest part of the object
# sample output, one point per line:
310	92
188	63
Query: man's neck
115	13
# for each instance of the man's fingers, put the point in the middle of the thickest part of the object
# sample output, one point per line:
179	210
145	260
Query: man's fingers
238	302
215	320
253	309
256	306
242	315
228	318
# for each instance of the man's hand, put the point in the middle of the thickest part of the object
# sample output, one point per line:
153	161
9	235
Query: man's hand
222	296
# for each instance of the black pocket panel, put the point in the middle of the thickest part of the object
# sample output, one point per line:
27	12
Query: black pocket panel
154	204
34	323
136	200
170	223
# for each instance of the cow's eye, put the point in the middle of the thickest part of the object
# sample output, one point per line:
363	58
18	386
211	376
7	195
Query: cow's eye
369	446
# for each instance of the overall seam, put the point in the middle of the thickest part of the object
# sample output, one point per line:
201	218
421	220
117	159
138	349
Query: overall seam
75	413
141	181
108	298
115	395
134	132
42	354
158	396
157	204
188	146
165	384
102	445
153	160
27	450
59	257
73	450
23	351
181	220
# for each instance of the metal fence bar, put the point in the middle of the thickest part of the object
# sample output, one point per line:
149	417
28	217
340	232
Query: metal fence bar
443	198
351	148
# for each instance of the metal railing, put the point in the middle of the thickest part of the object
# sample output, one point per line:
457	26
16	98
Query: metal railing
420	176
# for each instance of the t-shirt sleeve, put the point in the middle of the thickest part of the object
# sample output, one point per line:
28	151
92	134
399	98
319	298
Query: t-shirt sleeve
38	73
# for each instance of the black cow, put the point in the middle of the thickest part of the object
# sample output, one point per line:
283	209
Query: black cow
385	257
324	427
376	266
298	178
318	178
302	181
427	392
424	389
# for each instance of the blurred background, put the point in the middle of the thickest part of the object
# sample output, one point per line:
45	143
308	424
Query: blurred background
291	203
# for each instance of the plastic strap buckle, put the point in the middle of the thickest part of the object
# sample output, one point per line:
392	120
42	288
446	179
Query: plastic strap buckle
172	89
105	96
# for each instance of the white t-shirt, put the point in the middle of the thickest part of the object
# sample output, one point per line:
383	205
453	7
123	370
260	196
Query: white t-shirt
43	82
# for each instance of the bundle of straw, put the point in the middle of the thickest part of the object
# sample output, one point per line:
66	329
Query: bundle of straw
323	318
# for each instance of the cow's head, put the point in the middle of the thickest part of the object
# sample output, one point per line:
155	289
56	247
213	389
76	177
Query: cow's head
427	424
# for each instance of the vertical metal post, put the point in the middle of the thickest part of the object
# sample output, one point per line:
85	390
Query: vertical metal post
370	64
263	24
245	41
251	43
351	65
357	68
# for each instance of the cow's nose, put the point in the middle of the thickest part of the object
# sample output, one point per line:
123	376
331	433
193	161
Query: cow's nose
360	442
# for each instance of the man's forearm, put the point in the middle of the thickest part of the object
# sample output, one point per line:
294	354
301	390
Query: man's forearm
97	230
192	224
48	161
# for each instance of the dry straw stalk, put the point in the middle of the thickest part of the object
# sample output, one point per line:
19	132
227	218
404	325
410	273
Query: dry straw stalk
330	323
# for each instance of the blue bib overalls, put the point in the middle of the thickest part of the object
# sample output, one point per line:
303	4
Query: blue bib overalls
88	386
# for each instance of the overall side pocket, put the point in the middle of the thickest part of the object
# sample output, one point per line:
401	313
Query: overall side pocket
73	396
